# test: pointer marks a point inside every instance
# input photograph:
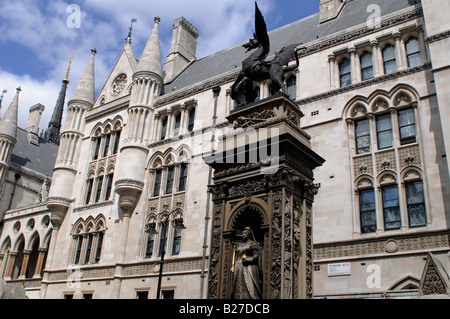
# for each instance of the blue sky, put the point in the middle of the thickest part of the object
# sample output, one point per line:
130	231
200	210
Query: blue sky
38	38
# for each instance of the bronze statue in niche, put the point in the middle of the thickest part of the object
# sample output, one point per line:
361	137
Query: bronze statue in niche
246	268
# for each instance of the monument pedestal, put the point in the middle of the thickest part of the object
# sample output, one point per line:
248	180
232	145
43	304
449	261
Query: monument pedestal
263	181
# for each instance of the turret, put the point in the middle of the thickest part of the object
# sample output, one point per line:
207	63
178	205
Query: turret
147	83
66	165
8	135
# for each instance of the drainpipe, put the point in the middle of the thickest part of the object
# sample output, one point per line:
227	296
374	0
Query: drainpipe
216	92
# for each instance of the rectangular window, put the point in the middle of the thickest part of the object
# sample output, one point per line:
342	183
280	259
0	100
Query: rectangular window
150	244
87	257
106	147
157	184
78	252
413	52
415	200
391	207
109	186
291	84
367	211
384	131
87	296
362	132
170	177
99	188
98	252
168	294
366	66
176	246
345	72
407	126
97	147
191	119
142	295
90	183
176	130
183	178
164	129
116	142
389	61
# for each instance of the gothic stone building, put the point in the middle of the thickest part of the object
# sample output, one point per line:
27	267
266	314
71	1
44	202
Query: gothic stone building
373	90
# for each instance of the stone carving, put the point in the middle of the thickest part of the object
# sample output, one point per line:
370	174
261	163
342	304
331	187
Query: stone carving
246	268
255	68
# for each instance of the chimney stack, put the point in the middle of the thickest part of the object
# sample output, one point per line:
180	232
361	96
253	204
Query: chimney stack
182	48
330	9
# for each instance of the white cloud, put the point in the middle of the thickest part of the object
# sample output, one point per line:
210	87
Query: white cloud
41	26
33	92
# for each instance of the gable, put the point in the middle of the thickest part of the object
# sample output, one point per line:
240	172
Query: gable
435	280
118	83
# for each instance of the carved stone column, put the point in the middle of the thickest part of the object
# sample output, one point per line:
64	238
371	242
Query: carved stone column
23	268
40	262
269	192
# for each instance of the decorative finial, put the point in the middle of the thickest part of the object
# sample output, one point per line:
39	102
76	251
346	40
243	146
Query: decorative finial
94	51
66	79
1	98
18	90
128	39
157	19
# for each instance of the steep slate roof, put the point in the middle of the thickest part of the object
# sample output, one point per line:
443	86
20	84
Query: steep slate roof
303	31
40	159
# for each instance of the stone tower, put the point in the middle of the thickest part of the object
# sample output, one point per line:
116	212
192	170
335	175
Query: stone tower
82	100
8	135
147	83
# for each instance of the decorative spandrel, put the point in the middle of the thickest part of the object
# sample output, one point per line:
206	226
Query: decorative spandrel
256	68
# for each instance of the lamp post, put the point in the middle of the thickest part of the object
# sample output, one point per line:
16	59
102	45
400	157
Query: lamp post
164	220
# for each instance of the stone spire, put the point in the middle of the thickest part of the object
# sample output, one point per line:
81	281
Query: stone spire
151	57
52	134
8	125
85	89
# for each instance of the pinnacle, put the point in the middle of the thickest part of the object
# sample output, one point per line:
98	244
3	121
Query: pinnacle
85	89
151	57
9	122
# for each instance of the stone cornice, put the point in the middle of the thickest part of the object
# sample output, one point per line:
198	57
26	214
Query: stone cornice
389	245
387	22
438	37
363	84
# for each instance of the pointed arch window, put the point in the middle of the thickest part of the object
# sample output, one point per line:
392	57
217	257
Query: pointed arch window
116	142
384	131
88	240
99	189
407	126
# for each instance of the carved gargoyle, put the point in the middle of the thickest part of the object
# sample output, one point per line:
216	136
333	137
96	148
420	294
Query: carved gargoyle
256	68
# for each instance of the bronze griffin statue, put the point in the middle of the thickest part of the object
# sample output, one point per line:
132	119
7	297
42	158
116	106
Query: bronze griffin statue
255	68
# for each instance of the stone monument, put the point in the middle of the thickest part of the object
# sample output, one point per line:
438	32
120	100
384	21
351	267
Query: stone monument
263	190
